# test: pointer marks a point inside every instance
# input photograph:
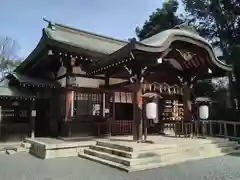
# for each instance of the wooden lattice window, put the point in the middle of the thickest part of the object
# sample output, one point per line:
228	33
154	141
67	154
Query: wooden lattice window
89	104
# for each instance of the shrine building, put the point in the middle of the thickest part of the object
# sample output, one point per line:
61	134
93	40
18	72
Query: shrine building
81	84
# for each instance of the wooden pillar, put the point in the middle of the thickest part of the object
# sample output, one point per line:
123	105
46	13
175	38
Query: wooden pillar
32	118
113	110
137	119
187	102
140	118
107	115
144	118
68	106
106	105
68	111
134	123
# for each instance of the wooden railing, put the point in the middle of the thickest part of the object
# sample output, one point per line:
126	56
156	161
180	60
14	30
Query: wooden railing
201	128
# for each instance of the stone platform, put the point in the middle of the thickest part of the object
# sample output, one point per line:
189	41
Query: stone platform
126	155
48	148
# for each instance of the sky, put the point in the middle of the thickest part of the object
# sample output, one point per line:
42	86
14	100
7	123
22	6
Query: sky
22	20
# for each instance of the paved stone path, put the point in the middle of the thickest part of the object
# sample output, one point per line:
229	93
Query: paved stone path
25	167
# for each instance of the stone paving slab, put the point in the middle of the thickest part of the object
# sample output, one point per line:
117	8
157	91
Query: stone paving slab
25	167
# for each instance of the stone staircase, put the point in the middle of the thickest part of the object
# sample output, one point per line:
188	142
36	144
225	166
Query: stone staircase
134	156
12	148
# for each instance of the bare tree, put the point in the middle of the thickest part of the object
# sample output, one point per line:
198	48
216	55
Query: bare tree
8	55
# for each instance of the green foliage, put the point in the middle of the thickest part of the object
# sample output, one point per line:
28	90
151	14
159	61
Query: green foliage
236	67
187	27
215	21
232	5
162	19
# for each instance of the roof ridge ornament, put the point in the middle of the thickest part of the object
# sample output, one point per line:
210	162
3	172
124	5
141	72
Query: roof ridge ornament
187	26
51	24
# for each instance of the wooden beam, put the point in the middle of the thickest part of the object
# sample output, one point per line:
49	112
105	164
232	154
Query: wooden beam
87	76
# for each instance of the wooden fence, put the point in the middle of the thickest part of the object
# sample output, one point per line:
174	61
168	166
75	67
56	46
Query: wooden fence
201	128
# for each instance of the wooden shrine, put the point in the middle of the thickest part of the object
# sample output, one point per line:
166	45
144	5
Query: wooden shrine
85	84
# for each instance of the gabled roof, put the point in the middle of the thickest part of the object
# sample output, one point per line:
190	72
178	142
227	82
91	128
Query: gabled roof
82	39
159	43
73	40
165	38
106	49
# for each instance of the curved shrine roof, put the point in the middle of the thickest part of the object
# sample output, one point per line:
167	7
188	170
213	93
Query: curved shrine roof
105	48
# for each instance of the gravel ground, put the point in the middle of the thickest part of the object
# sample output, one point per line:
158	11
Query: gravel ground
26	167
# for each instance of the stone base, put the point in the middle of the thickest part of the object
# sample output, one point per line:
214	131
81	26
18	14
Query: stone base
46	149
140	156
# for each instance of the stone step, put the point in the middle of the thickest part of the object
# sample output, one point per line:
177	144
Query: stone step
109	157
145	156
190	153
139	167
222	150
135	154
21	149
9	145
105	162
175	160
218	142
147	152
10	152
212	140
127	148
224	144
114	146
116	152
26	145
171	160
134	158
122	160
208	147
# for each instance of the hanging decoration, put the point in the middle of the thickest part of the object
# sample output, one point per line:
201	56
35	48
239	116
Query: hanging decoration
163	88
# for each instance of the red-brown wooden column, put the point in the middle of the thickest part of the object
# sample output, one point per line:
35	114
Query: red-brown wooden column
144	118
137	119
69	101
187	102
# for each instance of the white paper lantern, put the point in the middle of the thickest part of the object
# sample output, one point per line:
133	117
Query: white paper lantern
203	112
151	110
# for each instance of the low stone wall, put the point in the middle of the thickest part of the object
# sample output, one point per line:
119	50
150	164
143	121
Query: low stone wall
49	151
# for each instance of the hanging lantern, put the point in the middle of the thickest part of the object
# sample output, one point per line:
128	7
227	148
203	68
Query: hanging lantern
151	110
204	112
